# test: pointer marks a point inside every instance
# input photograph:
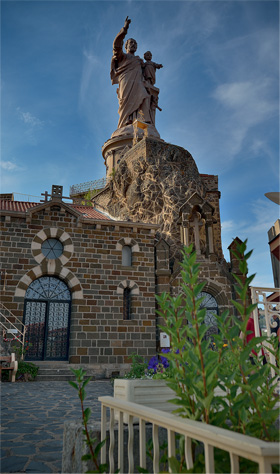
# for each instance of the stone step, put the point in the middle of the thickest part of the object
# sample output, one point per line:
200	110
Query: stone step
54	371
54	378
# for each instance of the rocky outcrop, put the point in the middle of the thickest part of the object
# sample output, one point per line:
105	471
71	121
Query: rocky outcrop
153	181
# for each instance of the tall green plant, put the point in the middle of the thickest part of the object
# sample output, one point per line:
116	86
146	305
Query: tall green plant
220	386
93	446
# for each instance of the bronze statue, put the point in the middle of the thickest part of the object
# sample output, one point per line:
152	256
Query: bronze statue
127	71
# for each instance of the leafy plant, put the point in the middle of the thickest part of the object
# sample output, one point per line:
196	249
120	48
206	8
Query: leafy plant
26	370
93	445
139	367
216	382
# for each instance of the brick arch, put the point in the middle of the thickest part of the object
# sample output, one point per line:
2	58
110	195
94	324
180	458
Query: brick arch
216	291
128	284
50	268
128	241
52	233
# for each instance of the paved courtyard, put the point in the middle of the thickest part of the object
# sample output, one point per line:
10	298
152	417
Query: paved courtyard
32	418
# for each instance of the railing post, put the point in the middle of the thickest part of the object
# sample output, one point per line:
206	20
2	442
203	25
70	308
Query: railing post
142	443
156	449
209	458
112	441
120	442
103	433
171	445
188	452
265	466
130	445
234	463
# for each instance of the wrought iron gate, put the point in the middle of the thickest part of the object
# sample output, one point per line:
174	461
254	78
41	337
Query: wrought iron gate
47	318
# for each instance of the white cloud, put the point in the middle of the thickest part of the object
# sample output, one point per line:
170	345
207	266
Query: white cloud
250	101
228	225
32	125
88	84
29	119
246	104
9	166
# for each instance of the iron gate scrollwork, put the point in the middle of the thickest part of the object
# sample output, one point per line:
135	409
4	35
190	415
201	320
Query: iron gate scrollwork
47	318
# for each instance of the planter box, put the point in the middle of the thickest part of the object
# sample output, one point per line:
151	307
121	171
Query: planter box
148	392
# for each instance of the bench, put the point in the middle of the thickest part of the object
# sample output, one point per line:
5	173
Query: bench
9	363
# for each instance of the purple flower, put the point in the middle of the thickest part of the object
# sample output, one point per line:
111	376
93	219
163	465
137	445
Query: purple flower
156	360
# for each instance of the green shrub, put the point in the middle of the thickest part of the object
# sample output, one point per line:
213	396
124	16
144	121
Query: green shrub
26	371
247	399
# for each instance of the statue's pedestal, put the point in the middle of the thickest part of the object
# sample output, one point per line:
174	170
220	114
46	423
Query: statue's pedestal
120	142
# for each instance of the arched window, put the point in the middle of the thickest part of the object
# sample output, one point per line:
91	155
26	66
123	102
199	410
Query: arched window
211	306
127	303
126	256
52	248
47	316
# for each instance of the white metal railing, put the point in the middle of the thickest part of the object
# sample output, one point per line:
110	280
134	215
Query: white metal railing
237	445
9	328
266	299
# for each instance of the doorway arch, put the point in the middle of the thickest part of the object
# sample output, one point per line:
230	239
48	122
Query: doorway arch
47	309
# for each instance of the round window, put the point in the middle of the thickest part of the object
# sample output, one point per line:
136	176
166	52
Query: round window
52	248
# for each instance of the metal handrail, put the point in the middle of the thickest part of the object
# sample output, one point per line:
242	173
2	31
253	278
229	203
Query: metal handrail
7	320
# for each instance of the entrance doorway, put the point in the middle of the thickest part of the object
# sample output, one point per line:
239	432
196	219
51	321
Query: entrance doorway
47	318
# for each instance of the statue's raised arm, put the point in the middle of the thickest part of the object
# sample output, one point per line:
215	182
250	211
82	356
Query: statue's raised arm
118	42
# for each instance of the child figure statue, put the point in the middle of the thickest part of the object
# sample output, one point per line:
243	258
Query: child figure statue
149	68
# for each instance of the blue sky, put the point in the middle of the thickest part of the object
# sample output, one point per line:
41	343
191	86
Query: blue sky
219	91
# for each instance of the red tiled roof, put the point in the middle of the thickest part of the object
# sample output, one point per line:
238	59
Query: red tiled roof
21	206
16	206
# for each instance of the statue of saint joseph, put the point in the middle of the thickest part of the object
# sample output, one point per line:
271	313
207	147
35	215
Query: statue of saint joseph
127	72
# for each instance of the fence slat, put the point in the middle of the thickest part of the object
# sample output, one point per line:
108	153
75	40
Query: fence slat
156	449
112	441
188	452
130	445
142	443
120	442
